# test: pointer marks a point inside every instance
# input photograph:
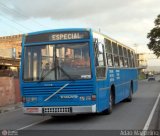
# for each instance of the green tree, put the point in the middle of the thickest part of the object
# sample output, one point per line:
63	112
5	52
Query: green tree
154	37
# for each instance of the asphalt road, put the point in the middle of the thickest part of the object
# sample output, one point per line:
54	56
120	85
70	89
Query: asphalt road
126	116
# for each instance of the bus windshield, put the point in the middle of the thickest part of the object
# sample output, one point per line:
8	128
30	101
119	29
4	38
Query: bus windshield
57	62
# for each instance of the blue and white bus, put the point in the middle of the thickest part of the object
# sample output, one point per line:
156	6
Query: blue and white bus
75	71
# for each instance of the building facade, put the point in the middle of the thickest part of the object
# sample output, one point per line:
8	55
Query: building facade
10	53
141	61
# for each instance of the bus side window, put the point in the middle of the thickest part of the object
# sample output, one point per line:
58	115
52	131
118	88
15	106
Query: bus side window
116	56
109	55
135	59
125	55
116	61
132	59
126	62
121	59
100	60
129	58
121	62
109	60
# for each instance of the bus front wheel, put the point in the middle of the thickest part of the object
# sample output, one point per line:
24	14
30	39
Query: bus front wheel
110	109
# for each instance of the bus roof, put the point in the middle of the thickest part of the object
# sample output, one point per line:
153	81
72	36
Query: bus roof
78	29
107	37
59	30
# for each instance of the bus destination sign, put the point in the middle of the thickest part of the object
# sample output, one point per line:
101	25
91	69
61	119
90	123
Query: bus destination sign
57	36
68	36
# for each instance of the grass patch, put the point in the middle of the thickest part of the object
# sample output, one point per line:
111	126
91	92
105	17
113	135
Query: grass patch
141	76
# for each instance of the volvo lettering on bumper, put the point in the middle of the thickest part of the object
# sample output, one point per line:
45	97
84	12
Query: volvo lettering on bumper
68	96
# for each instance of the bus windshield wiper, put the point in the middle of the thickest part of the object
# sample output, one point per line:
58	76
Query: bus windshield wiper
65	73
43	77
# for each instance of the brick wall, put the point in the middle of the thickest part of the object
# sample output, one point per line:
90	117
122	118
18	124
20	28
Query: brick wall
17	91
9	87
9	91
8	42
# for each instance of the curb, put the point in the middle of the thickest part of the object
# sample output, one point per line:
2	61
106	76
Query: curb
159	118
11	107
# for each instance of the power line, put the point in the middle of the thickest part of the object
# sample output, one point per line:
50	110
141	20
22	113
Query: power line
12	26
8	9
19	12
15	22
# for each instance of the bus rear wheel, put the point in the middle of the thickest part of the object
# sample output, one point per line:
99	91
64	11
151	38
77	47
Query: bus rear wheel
129	98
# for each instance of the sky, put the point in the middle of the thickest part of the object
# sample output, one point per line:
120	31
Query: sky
127	21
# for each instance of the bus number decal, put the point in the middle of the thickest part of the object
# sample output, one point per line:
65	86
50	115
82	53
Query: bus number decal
117	74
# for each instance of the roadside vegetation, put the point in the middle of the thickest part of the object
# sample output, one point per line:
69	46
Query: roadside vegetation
154	37
142	76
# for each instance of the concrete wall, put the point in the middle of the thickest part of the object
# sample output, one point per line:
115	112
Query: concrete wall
9	91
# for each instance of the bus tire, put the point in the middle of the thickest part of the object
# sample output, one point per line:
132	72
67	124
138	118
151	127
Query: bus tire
110	109
129	98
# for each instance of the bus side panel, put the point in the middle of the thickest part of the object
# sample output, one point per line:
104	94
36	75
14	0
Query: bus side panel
103	96
125	83
121	79
129	75
115	78
126	74
135	82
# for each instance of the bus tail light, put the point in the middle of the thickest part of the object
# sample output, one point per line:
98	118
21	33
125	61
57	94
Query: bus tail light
93	97
23	99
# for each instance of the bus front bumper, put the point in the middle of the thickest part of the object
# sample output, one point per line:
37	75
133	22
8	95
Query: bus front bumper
60	110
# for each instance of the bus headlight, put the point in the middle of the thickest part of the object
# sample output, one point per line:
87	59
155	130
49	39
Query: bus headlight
29	99
82	98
